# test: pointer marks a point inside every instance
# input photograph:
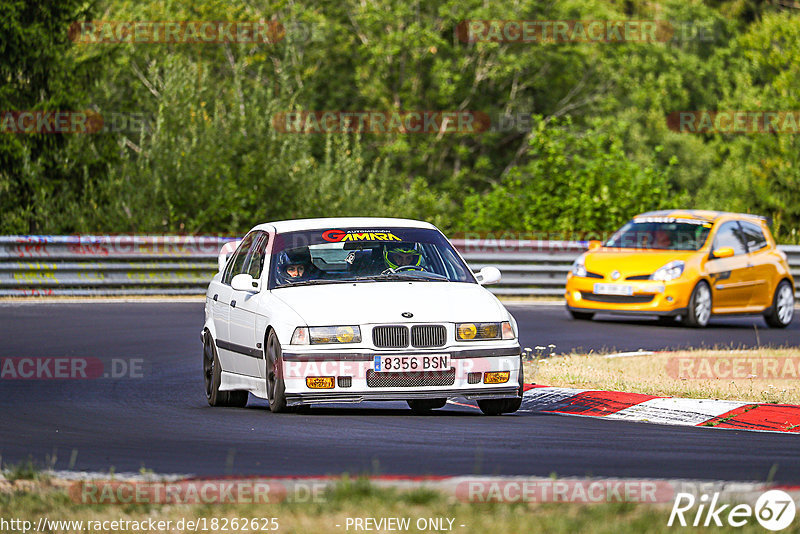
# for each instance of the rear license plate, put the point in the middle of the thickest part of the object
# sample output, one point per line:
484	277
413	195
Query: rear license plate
409	364
613	289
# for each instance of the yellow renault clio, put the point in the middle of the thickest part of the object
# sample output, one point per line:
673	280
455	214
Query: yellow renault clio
685	263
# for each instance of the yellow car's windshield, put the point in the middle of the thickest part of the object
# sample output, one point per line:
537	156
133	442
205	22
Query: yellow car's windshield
661	233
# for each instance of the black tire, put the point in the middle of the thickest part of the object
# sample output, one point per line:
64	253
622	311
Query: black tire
781	313
212	374
422	406
700	304
501	406
579	315
276	388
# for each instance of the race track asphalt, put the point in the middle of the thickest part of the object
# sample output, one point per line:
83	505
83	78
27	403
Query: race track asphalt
161	421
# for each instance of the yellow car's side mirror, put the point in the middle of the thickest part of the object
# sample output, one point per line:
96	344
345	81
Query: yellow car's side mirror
594	244
723	252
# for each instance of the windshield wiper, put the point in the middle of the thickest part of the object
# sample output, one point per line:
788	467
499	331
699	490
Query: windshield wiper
314	283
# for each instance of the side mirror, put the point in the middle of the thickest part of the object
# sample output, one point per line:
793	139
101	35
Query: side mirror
723	252
594	244
488	275
225	252
245	282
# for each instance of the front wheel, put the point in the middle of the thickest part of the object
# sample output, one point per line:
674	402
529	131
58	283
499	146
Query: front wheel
276	388
780	314
699	305
501	406
212	374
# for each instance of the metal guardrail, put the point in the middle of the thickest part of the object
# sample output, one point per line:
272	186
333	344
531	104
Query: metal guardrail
183	265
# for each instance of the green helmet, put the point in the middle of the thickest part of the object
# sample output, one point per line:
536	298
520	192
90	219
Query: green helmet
401	248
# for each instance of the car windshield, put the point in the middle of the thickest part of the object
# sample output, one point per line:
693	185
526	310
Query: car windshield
661	233
339	255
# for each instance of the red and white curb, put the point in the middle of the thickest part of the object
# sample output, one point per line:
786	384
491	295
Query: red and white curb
662	410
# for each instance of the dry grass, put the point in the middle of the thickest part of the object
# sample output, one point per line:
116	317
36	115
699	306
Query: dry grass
765	375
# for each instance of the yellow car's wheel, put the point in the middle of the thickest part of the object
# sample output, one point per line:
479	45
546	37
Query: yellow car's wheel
699	311
780	314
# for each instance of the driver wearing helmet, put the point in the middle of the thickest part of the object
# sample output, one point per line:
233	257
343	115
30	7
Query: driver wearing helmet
402	256
294	265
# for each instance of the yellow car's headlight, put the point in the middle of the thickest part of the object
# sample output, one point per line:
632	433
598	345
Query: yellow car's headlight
484	331
317	335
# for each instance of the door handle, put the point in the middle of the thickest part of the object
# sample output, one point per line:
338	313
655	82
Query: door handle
233	304
215	297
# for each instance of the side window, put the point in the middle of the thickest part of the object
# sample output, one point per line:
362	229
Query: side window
754	236
257	256
729	235
236	263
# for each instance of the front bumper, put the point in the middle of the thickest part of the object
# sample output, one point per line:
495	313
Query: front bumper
361	383
296	399
649	297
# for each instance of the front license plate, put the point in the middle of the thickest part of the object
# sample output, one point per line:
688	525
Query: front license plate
613	289
426	362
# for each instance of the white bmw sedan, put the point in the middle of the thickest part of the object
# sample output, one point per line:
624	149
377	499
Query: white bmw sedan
356	309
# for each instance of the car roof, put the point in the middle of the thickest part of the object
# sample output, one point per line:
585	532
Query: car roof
294	225
704	215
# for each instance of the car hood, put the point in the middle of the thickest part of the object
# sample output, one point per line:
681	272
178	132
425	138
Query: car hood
385	302
632	262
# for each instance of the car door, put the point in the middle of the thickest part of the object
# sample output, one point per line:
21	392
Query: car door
229	358
763	267
731	278
243	308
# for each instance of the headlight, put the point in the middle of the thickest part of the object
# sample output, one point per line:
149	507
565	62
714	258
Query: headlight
484	331
335	334
317	335
670	271
578	267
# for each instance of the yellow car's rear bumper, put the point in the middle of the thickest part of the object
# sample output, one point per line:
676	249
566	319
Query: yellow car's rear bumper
647	296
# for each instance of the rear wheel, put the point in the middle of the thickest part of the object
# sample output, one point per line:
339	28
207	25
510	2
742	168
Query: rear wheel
276	388
421	406
781	313
580	316
699	305
212	373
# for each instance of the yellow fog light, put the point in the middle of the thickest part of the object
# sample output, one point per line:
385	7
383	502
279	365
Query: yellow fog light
319	382
467	331
496	377
345	334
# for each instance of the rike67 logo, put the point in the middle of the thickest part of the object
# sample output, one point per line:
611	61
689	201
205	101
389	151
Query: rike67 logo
774	510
